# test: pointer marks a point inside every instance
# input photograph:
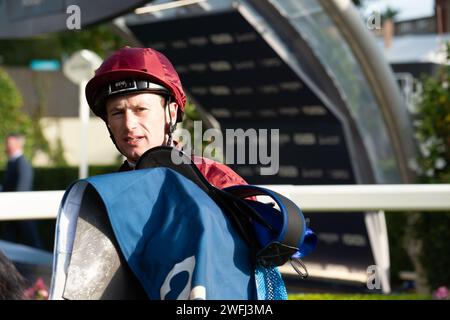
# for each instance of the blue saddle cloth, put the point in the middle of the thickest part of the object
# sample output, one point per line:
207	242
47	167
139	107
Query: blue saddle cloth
174	237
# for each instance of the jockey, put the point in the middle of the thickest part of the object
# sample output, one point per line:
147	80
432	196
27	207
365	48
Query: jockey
139	96
224	242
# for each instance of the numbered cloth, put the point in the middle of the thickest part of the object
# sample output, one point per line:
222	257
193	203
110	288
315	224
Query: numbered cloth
175	239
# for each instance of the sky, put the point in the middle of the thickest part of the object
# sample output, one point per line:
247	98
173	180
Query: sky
408	9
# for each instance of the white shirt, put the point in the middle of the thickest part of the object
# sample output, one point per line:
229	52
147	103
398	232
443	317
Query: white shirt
15	155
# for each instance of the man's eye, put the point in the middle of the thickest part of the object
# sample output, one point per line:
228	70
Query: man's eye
115	113
140	109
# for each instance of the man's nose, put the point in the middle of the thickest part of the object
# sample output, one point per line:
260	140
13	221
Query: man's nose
130	119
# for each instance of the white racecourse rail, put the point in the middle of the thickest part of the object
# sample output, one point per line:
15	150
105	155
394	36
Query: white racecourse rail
336	198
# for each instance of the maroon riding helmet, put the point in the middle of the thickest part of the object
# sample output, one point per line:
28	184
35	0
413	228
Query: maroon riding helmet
132	70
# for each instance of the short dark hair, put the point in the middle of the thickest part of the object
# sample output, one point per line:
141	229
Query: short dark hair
12	283
18	136
15	135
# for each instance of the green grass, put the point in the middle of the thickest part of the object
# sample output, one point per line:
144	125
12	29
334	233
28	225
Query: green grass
329	296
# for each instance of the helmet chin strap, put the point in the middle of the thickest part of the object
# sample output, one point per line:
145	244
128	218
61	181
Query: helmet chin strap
112	138
172	126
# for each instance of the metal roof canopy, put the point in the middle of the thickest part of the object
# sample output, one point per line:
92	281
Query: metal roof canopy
232	73
248	73
21	19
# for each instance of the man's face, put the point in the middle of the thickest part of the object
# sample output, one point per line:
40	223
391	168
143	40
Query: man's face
138	122
12	145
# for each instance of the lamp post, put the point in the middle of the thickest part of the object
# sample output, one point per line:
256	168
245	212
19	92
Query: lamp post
79	68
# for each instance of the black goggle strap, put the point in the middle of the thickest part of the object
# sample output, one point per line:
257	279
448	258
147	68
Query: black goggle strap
126	86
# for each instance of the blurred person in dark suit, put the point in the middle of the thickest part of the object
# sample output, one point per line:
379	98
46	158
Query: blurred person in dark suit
19	177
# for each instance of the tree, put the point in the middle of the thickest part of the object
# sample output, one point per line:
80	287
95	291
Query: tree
99	39
433	134
389	14
57	46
